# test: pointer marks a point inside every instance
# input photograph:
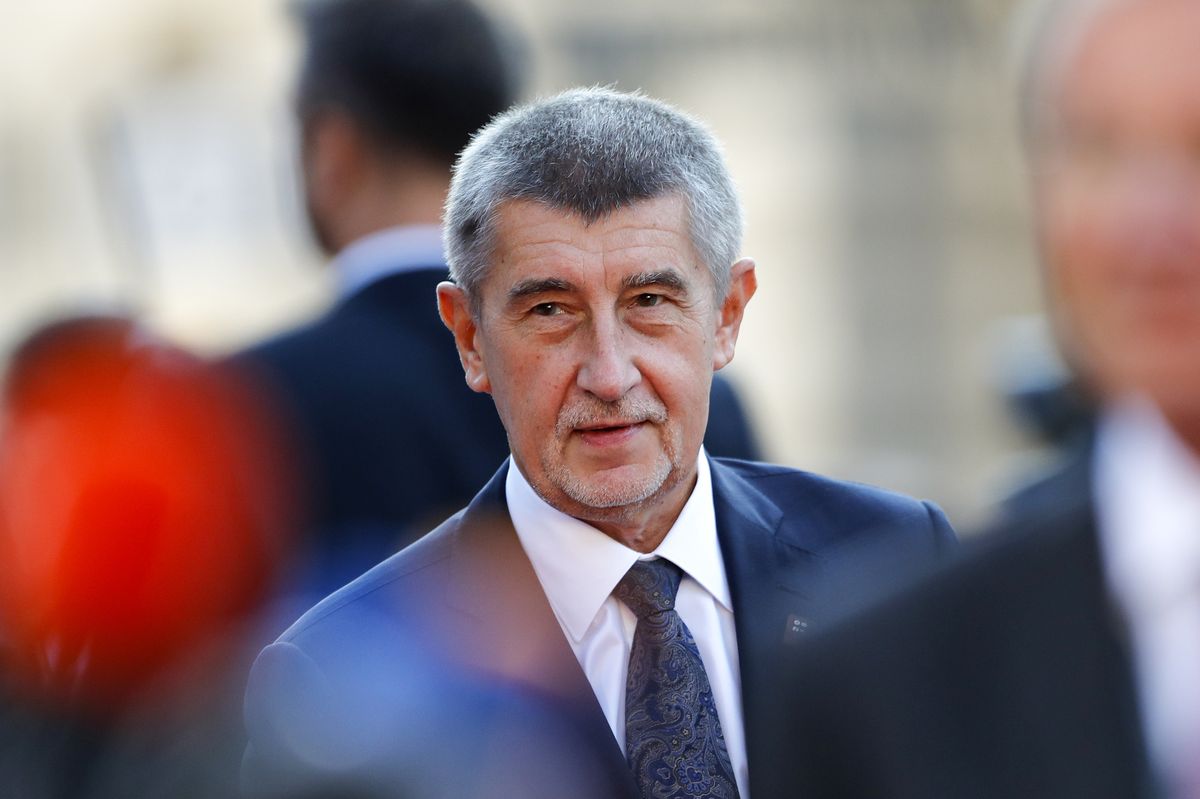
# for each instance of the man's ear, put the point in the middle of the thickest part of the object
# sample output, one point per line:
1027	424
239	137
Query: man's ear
455	308
742	285
333	160
332	156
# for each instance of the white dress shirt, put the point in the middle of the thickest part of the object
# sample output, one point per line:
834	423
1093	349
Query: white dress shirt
1147	485
387	252
579	566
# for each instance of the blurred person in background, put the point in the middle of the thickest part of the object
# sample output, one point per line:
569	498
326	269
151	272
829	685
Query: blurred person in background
388	92
144	504
1061	658
392	441
612	576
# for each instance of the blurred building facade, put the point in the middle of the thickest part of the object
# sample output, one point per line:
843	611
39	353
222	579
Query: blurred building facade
146	161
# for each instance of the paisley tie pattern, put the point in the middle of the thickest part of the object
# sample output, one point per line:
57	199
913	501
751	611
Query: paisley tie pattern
673	739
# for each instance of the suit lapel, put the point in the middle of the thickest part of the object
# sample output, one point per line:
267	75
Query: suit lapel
1098	628
1081	645
513	635
771	582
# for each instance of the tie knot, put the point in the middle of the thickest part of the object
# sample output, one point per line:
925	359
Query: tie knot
649	587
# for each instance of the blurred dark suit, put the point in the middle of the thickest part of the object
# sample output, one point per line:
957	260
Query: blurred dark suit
468	591
1006	675
392	438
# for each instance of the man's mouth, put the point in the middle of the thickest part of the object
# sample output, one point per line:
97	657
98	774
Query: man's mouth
609	433
600	427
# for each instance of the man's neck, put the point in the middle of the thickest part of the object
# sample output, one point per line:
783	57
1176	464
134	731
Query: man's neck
1187	429
646	525
392	199
375	219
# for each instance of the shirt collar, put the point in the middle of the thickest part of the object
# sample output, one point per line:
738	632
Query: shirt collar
387	252
1148	504
579	566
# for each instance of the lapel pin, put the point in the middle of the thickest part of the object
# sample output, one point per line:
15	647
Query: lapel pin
796	626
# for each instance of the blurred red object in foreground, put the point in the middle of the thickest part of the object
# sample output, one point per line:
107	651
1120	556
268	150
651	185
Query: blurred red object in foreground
143	505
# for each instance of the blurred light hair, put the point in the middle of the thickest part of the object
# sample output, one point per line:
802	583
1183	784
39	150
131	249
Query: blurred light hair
1044	36
591	151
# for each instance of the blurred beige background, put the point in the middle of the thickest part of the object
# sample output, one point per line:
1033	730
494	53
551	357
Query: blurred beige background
146	159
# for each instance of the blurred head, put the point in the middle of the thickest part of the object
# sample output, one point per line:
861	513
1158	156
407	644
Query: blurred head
1113	124
392	90
143	507
592	237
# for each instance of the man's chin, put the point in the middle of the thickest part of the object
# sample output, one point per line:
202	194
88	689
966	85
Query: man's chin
613	490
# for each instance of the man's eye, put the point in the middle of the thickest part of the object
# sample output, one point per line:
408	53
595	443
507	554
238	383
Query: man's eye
546	309
647	300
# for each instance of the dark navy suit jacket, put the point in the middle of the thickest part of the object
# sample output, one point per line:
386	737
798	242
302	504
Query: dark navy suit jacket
466	599
1006	674
392	440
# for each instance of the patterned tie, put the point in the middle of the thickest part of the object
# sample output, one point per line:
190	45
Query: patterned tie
673	738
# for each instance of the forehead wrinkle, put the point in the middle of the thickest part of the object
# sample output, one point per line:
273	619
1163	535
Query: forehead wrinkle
553	251
543	247
642	235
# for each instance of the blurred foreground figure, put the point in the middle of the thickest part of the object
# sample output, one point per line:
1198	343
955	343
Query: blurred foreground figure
143	507
389	92
1062	659
611	603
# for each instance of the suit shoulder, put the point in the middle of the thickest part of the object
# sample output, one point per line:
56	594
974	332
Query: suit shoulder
289	360
797	490
863	534
391	589
995	573
286	344
1063	484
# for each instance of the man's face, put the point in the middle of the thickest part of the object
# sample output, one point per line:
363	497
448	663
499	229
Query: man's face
598	343
1118	190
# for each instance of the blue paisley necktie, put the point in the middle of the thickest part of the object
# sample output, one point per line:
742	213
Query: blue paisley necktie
673	738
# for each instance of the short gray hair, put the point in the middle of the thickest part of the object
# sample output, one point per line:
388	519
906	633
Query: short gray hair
591	151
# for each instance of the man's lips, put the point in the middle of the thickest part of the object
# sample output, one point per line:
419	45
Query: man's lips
608	425
609	433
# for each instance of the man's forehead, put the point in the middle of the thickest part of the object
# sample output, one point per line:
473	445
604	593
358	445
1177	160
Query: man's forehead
1143	40
668	210
529	233
1116	68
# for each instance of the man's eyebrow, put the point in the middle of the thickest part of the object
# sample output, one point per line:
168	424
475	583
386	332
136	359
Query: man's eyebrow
538	285
667	278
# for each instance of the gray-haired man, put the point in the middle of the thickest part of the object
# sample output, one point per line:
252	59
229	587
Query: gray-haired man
633	593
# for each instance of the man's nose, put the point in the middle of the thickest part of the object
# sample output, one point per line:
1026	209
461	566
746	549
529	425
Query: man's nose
608	371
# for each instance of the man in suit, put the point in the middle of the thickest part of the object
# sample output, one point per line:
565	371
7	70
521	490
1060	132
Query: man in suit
393	442
1060	658
604	614
389	91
